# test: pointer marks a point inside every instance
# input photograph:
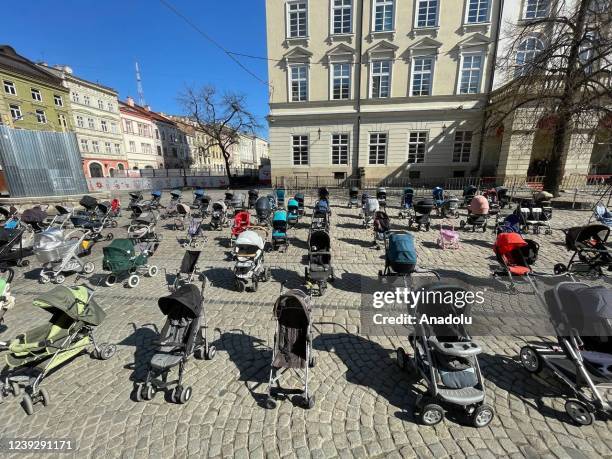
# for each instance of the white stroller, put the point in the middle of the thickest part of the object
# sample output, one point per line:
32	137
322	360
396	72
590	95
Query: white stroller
249	267
182	212
370	208
59	254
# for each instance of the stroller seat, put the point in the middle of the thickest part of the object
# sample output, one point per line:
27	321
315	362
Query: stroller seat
599	362
171	350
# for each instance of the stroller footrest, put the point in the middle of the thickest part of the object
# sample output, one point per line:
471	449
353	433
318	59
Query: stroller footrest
464	396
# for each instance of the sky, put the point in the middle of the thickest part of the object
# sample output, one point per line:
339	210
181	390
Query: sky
102	39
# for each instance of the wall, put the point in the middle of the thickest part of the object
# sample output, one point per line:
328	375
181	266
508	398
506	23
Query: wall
154	183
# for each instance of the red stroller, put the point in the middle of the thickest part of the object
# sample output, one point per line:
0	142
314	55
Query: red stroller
515	254
242	220
115	208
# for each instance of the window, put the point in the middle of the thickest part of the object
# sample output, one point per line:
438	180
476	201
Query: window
84	145
378	148
95	146
86	100
299	83
80	122
110	107
15	112
381	73
61	119
141	129
526	53
342	16
128	127
417	143
91	123
427	13
300	150
114	128
174	152
470	73
422	70
132	146
36	95
383	15
118	149
536	9
58	100
9	88
75	97
297	19
40	116
340	148
463	146
95	170
157	134
104	125
108	147
100	104
341	85
587	51
159	151
478	11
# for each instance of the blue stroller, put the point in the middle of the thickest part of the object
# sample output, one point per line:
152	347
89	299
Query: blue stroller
293	214
438	198
280	240
602	214
407	202
511	224
280	197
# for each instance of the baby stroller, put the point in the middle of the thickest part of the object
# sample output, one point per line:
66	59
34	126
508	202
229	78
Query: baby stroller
12	251
293	215
142	227
299	197
602	214
182	212
237	202
115	208
280	197
10	216
242	220
170	209
319	269
183	335
253	196
582	318
249	265
382	226
135	199
198	194
187	271
279	231
353	197
34	218
533	217
406	204
292	345
229	196
543	200
263	211
127	258
446	358
370	209
491	195
60	254
590	252
502	196
478	211
272	201
422	212
7	301
381	195
400	255
105	215
450	207
515	255
218	218
468	194
41	350
437	195
510	224
324	194
62	217
205	205
195	232
448	237
155	201
320	215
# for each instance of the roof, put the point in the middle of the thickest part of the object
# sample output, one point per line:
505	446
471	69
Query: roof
138	110
13	62
69	76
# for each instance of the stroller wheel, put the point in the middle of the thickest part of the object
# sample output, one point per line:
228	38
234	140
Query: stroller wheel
255	285
305	401
560	268
212	351
109	237
462	223
530	359
482	416
110	280
579	413
15	389
269	403
60	278
23	263
43	279
105	351
133	281
138	395
432	414
114	224
312	362
199	352
28	405
148	392
239	285
88	267
183	394
44	396
267	275
153	271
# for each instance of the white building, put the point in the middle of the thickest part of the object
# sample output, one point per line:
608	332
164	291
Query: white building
142	141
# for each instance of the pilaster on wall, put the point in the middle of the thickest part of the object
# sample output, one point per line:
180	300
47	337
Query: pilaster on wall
515	152
576	158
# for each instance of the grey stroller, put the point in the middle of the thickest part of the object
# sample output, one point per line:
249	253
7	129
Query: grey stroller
195	231
249	267
60	254
446	358
237	202
142	227
218	218
182	213
62	218
183	335
292	346
369	210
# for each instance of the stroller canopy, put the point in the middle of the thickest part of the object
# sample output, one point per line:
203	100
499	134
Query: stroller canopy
501	191
435	306
587	309
136	195
354	191
49	238
381	222
479	205
408	191
253	193
184	302
401	248
34	215
89	202
292	204
292	308
183	209
582	234
299	197
189	261
263	205
7	213
424	206
145	218
219	206
176	193
104	207
75	302
237	199
279	216
469	190
372	205
319	241
508	242
438	193
280	193
323	193
199	193
156	194
250	238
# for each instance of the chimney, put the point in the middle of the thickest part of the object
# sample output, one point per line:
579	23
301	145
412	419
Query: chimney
130	101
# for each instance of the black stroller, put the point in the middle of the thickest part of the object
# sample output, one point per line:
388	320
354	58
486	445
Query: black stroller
263	210
171	209
188	271
589	246
382	226
183	335
12	251
582	318
292	345
34	218
253	196
135	199
299	197
422	212
62	216
353	197
468	194
502	196
319	269
381	195
532	216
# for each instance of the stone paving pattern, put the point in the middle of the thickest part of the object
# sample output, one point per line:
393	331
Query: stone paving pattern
364	402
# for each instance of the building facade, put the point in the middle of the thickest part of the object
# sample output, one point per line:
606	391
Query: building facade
32	97
395	87
97	124
202	152
141	137
175	148
249	152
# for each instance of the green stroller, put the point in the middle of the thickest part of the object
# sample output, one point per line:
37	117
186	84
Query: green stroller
127	258
74	316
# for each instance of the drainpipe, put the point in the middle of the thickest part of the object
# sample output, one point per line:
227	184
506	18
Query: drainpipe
483	127
359	40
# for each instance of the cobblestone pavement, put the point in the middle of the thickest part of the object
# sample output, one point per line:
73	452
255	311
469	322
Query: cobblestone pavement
364	403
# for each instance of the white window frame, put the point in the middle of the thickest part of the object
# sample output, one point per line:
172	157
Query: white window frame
9	87
84	145
384	3
413	72
290	81
15	110
100	104
61	118
416	14
132	146
340	144
95	146
416	145
110	106
332	79
80	121
341	8
86	99
76	98
462	142
482	66
478	7
117	148
108	147
288	13
537	3
378	143
534	52
91	124
41	115
372	75
57	100
301	164
36	94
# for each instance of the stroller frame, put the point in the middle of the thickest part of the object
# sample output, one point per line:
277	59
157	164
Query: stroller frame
53	271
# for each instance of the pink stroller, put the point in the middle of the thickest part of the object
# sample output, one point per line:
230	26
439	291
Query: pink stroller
448	237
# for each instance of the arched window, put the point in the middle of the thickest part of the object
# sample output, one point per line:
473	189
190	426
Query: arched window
135	168
95	170
120	166
111	172
526	53
149	167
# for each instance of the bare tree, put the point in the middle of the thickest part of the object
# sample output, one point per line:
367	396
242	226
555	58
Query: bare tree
222	117
561	71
